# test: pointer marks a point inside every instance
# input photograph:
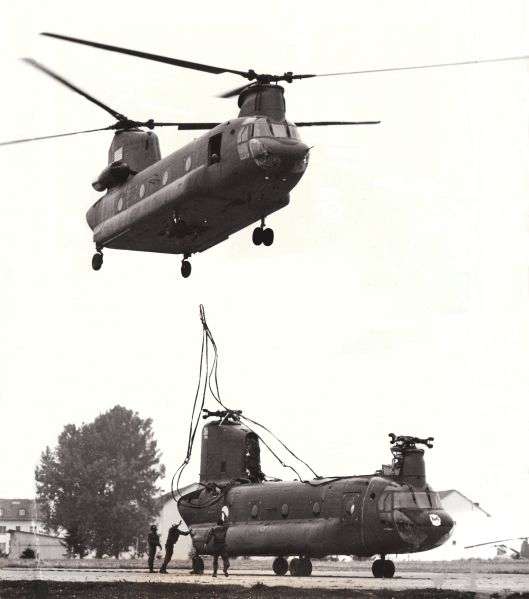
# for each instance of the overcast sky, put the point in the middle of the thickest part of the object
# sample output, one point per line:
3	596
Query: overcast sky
395	296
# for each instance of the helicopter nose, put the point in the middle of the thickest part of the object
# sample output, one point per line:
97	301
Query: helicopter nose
424	529
281	156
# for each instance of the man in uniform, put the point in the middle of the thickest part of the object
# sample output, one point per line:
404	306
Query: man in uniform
218	534
154	542
172	538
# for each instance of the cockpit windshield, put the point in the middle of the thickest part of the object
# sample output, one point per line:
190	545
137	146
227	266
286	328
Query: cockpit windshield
265	128
416	499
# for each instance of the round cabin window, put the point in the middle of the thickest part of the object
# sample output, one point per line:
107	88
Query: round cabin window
142	190
316	508
284	510
254	511
188	163
165	177
120	204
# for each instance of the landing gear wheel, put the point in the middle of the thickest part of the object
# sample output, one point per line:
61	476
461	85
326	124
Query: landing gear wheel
305	566
280	566
383	568
185	268
389	568
97	260
378	568
294	567
197	565
268	237
257	236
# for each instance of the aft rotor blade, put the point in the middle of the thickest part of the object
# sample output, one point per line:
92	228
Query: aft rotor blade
19	141
424	66
73	87
233	92
187	126
326	123
156	57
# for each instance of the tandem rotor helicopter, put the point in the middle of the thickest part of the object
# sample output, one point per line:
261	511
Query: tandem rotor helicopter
238	173
391	511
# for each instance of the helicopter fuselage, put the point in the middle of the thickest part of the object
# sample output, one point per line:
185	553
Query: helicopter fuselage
236	174
359	516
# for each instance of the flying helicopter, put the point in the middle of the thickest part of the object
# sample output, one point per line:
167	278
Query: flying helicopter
238	173
391	511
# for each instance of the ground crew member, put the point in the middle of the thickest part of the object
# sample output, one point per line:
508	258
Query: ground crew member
218	534
154	541
172	538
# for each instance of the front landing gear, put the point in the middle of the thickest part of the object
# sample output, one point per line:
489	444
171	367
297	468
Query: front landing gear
263	235
185	269
97	259
383	568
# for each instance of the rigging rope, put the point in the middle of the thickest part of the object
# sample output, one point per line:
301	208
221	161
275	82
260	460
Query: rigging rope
208	378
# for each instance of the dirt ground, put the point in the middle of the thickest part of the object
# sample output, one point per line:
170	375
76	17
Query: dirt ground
92	579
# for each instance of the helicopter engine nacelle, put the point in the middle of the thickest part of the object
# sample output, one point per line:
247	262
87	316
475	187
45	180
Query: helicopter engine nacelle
114	174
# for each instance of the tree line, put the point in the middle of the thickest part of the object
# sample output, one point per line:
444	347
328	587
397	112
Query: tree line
97	487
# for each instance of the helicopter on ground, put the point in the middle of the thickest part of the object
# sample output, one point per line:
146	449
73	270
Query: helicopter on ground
391	511
238	173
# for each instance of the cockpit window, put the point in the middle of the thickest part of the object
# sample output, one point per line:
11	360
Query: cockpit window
414	499
279	130
244	134
261	128
293	131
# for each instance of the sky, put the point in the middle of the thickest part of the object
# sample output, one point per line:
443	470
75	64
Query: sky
395	296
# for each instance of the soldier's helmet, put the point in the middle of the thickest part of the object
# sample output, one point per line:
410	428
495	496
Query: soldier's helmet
153	527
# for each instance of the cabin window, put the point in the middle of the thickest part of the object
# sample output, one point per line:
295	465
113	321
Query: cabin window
316	508
284	510
165	177
254	511
385	520
279	130
261	128
223	467
214	148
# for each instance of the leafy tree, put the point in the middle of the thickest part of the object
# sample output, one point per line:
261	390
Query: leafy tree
99	483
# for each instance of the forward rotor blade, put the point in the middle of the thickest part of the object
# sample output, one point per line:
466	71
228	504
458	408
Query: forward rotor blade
19	141
73	87
156	57
326	123
187	126
424	66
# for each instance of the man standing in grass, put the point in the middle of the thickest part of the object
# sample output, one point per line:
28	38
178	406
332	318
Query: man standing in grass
172	538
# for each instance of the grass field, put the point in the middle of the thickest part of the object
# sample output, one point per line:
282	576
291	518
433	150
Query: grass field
49	590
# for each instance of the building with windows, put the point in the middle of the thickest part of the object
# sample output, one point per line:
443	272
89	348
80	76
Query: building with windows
18	515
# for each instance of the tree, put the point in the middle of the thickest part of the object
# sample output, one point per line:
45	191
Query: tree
99	484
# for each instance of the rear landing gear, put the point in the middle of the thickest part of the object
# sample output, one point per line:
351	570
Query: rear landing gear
263	235
300	566
383	568
280	566
185	269
97	260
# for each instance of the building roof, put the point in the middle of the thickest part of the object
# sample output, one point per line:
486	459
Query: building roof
10	510
37	535
473	504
